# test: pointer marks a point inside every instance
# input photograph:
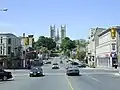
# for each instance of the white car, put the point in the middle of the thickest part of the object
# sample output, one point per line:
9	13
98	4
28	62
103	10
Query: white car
55	66
72	70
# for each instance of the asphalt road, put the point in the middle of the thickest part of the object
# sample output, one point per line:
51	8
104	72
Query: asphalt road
90	79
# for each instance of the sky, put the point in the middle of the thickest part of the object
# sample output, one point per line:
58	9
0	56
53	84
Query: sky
35	16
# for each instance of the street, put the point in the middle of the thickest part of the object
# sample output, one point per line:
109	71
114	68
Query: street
90	79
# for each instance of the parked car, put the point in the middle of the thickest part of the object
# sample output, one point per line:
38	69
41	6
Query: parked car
61	62
4	75
47	62
72	70
36	72
80	65
55	66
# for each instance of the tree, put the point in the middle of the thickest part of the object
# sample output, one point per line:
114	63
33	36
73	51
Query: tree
45	42
81	55
44	50
67	44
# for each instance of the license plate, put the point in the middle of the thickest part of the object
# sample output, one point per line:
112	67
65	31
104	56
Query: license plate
34	73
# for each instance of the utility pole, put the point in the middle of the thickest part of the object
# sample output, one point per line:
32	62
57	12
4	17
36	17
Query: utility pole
95	47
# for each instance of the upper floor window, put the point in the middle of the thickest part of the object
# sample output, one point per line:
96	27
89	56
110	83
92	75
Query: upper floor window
9	49
9	40
1	40
1	50
113	46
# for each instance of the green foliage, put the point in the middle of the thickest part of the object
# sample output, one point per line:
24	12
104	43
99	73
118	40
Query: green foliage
45	42
67	53
44	50
67	44
81	55
54	55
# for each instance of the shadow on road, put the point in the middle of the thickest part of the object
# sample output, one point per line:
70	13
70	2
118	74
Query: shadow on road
74	75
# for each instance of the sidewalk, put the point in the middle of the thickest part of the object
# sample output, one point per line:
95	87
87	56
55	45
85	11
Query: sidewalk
109	68
17	70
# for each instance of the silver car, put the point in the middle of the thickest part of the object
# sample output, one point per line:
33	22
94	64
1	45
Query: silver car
72	70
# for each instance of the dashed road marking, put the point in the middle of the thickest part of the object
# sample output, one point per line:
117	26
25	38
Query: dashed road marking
93	78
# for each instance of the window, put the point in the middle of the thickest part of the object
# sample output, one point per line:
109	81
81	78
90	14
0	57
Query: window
9	49
113	46
9	40
1	50
1	40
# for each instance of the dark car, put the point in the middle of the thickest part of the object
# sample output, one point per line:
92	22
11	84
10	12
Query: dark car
36	72
55	66
82	65
4	75
48	62
72	70
61	62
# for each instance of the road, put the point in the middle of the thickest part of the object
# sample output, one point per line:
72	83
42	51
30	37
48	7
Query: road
90	79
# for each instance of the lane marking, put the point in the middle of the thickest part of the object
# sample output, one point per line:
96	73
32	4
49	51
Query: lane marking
93	78
69	83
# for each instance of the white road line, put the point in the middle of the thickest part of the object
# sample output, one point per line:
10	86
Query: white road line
96	73
93	78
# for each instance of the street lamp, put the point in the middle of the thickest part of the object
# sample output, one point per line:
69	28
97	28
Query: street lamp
4	9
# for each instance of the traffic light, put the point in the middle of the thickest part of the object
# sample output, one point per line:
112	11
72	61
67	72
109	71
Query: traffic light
113	33
26	41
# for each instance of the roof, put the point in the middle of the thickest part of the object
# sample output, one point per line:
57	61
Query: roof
107	30
8	34
103	32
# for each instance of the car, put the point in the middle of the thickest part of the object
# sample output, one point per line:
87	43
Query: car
36	72
61	62
47	62
5	75
72	70
82	65
55	66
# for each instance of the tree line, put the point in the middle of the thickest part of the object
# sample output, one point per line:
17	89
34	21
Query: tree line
66	47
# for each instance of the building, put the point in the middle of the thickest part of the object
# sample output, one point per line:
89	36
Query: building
93	41
27	43
57	40
63	31
108	51
9	44
55	34
52	32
